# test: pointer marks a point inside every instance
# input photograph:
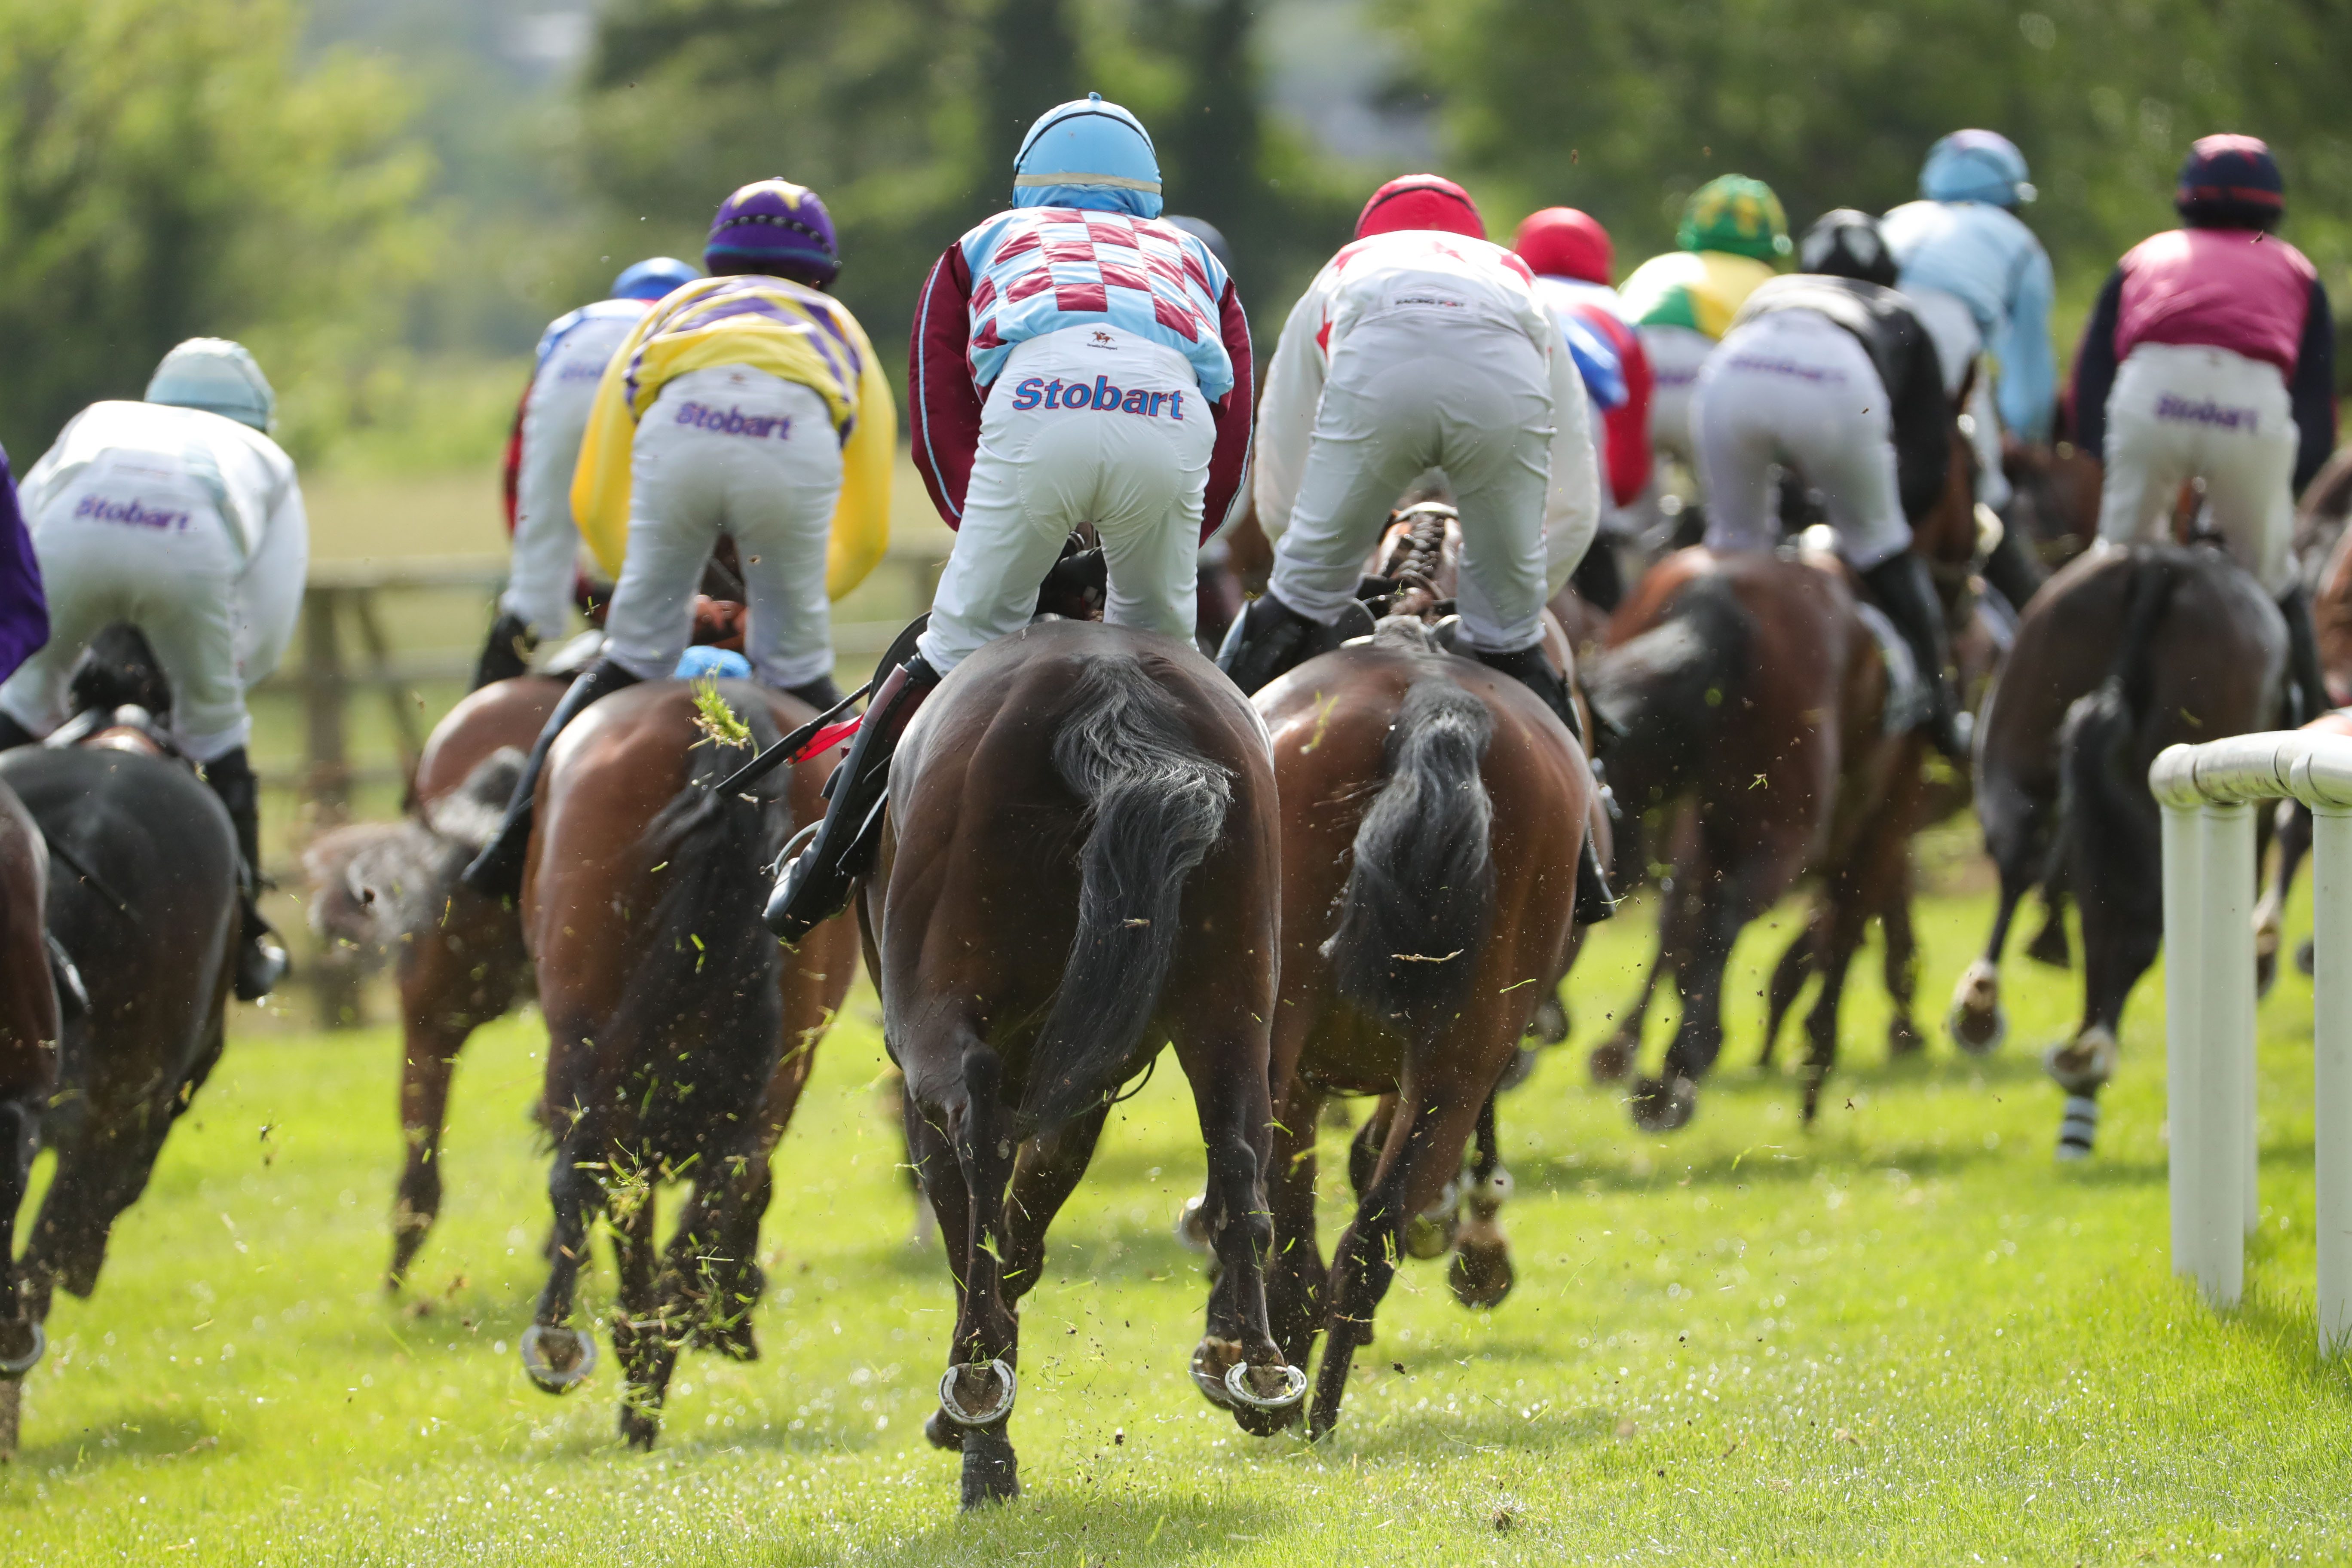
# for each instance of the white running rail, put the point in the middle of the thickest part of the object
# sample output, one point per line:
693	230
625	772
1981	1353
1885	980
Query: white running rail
2207	793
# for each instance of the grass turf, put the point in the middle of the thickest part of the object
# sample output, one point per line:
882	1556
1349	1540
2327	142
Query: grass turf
1905	1335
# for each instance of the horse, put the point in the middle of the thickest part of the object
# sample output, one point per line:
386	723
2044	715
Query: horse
29	1072
1079	863
2323	551
1432	812
2126	651
679	1033
142	921
390	891
2291	825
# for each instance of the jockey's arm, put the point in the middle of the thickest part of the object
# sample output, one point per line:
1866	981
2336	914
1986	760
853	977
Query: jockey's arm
1572	500
1286	414
269	590
2028	393
2314	389
1229	460
1923	431
2094	369
861	517
944	406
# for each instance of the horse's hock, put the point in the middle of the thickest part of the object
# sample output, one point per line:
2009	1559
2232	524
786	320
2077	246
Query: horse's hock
2207	793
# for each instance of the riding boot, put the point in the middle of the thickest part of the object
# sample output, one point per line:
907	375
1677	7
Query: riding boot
2303	667
13	734
496	871
1600	578
1531	668
2011	568
1269	638
508	652
821	694
1908	594
816	886
260	956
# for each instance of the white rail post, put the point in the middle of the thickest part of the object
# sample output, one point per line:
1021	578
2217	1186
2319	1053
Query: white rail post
2224	1078
2331	1030
2184	897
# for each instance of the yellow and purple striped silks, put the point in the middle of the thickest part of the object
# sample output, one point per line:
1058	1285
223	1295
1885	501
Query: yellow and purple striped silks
765	323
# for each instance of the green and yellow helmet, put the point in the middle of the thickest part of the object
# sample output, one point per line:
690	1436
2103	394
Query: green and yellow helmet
1734	213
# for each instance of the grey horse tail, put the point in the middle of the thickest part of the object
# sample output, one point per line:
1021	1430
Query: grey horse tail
1419	896
1155	806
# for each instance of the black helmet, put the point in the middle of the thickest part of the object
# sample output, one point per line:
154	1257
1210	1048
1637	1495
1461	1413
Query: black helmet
1844	243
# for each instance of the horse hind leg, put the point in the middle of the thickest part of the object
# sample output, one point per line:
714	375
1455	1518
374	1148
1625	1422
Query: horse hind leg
1900	972
1481	1273
21	1337
555	1355
711	1279
2294	830
645	1334
1977	1023
977	1391
426	1066
1787	984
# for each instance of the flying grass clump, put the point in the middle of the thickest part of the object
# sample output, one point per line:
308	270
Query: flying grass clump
716	720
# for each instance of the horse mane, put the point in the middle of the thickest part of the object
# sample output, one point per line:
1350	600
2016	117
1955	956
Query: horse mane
1420	894
1155	806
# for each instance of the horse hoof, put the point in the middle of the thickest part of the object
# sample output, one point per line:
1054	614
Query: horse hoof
1904	1040
1613	1059
1663	1105
942	1433
1521	1068
638	1429
1550	1025
1276	1386
2079	1128
556	1358
2084	1063
14	1367
1977	1023
1480	1277
990	1471
966	1396
1192	1226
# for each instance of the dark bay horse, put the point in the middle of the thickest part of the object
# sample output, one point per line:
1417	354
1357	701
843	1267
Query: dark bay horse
679	1033
2125	652
389	891
142	909
28	1073
1432	812
1080	865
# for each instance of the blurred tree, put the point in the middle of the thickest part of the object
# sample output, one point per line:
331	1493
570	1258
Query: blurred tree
165	173
1625	109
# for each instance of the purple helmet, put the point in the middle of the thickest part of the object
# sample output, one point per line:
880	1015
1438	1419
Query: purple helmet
773	227
2230	182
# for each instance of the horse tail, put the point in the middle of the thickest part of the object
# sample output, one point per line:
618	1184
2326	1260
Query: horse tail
1155	806
1421	891
703	989
1658	698
2102	801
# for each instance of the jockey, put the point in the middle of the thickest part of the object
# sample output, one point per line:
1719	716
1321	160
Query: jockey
2210	354
1732	232
24	609
748	402
1423	345
1831	373
1571	254
545	449
1979	282
181	516
1080	298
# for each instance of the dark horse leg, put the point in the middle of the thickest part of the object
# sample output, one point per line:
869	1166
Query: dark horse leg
2017	826
645	1337
1787	984
2293	825
1901	971
1614	1058
1481	1274
1046	1171
554	1355
976	1392
21	1341
1296	1271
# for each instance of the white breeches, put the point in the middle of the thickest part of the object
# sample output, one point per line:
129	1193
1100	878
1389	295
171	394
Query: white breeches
546	540
734	450
1676	355
1959	343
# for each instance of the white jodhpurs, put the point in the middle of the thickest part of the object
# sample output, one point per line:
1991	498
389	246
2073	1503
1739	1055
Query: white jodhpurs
134	540
2179	412
1793	389
1959	343
1676	355
1416	390
555	420
1086	425
734	450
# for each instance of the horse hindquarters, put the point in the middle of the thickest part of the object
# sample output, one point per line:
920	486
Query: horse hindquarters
28	1060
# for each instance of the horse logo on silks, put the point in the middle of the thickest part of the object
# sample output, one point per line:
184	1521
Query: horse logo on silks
1103	340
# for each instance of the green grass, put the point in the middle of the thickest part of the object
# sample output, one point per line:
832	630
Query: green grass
1904	1336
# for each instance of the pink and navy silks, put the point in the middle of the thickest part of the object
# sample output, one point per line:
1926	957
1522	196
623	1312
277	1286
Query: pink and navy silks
1034	270
2235	288
23	608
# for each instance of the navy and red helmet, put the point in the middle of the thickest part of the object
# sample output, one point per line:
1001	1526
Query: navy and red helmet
2230	182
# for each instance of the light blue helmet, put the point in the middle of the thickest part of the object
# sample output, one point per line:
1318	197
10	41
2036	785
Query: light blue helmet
1087	153
653	277
1975	166
217	376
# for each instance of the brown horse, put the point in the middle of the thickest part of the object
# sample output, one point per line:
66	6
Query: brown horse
389	891
679	1035
2292	827
1432	813
29	1073
2323	548
1080	865
142	895
2124	653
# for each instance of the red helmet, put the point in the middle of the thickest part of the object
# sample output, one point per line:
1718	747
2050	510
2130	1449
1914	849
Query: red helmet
1421	201
1563	242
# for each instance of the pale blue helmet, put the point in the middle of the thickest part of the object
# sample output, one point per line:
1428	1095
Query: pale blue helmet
1087	153
217	376
1975	166
653	277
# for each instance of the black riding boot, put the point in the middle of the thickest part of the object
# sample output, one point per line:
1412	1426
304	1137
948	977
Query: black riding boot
260	957
1908	594
1531	668
2303	666
13	734
1267	639
2011	568
816	886
1600	578
508	652
820	694
496	871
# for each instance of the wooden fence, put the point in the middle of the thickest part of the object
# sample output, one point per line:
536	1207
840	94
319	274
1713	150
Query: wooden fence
358	647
